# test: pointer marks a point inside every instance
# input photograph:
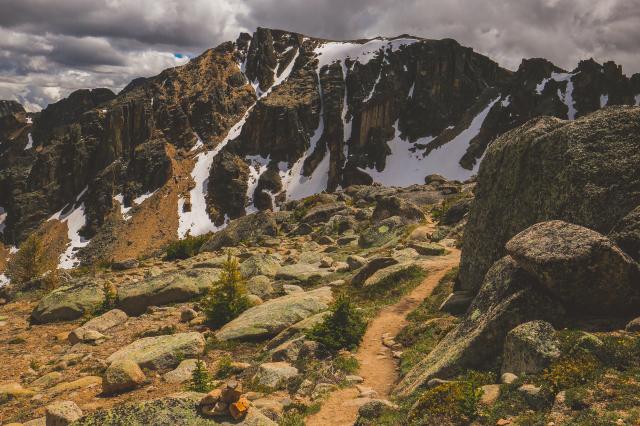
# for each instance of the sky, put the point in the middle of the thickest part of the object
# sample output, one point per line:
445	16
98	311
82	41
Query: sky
48	48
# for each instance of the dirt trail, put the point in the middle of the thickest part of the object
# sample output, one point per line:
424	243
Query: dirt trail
378	368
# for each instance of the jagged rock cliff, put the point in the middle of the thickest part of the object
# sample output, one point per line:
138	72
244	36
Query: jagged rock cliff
271	117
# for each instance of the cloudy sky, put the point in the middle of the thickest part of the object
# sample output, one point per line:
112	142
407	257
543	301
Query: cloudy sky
49	48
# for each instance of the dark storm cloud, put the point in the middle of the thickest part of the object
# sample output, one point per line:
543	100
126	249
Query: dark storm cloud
50	47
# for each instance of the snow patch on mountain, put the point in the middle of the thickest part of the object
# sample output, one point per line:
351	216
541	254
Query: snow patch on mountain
567	96
257	166
637	98
75	220
407	166
334	51
4	280
3	218
604	100
29	142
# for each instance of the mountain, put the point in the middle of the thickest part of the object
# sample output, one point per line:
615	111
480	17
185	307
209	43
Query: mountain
274	116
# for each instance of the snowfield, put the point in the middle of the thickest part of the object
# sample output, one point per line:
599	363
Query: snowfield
75	220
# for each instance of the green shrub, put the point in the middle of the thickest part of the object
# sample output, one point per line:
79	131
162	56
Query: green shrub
225	367
227	298
346	364
200	378
185	248
572	371
343	328
454	403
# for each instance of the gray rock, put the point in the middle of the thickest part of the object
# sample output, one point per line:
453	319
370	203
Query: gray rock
387	207
273	316
356	262
273	375
100	324
62	413
260	285
381	233
182	286
182	372
370	268
583	269
69	302
122	376
260	264
507	298
248	228
626	234
529	348
187	314
633	325
393	273
322	212
161	352
296	330
457	302
428	249
301	272
508	378
583	171
290	289
172	410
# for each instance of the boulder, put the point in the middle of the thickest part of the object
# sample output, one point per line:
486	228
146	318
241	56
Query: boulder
393	274
529	348
270	318
182	286
182	372
507	298
296	330
260	264
69	302
372	267
457	302
301	272
122	376
273	375
100	324
373	409
456	212
356	262
581	268
633	325
323	212
380	233
13	390
428	249
260	285
583	171
387	207
48	380
161	352
626	234
62	413
248	228
176	409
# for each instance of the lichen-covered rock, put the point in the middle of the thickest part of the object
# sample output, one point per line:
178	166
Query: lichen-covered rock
529	348
62	413
270	318
302	272
584	172
583	269
176	409
507	298
161	352
69	302
393	273
100	324
274	375
182	373
380	233
260	264
371	268
121	376
245	229
626	234
136	297
387	207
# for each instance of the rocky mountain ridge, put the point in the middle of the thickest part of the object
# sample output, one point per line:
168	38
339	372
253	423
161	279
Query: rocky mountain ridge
272	117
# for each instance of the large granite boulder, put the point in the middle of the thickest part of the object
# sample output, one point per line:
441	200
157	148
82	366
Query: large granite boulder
583	172
121	376
161	352
176	409
135	298
100	324
69	302
626	234
581	268
387	207
506	299
245	229
260	264
529	348
270	318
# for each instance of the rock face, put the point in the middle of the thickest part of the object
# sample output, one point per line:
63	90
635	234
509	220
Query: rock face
551	169
69	302
529	348
270	318
135	298
581	268
161	352
507	298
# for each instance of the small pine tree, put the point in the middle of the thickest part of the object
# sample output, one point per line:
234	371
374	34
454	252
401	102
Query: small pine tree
227	298
343	328
200	378
29	262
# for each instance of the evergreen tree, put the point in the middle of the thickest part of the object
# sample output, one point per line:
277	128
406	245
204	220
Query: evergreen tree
343	328
200	378
29	262
227	298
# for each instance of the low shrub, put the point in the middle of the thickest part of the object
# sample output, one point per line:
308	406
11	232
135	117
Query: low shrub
343	328
453	403
185	248
29	262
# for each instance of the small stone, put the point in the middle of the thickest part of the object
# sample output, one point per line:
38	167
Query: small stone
187	315
503	422
182	372
62	413
529	389
326	262
490	394
436	382
508	378
337	283
356	262
290	289
354	379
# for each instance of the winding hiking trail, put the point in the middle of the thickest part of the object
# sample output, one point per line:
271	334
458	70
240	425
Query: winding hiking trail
378	368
